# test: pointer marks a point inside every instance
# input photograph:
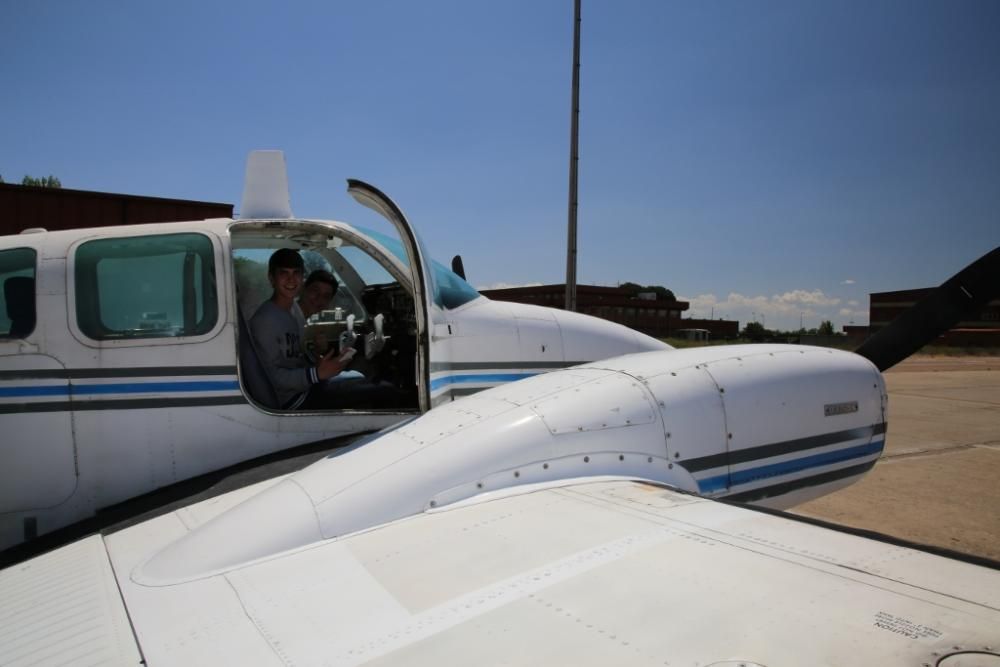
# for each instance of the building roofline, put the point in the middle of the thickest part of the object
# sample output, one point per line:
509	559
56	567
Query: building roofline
33	189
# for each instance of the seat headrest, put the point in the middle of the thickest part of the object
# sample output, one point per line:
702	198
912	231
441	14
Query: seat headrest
19	295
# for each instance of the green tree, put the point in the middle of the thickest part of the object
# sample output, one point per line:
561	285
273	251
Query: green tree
825	328
634	288
661	291
754	331
49	181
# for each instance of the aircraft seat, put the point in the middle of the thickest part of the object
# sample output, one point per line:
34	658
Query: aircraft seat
19	295
252	370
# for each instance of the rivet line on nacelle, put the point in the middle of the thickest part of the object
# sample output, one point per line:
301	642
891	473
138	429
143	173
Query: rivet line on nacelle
481	484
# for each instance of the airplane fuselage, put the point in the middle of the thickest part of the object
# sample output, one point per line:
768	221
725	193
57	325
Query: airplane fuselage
136	372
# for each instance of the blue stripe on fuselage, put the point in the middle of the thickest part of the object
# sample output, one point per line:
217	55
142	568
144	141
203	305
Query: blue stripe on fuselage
120	388
495	378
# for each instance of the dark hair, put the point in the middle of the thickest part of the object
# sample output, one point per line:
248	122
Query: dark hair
321	276
285	258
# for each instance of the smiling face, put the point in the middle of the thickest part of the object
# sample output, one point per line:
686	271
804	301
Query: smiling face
287	282
316	297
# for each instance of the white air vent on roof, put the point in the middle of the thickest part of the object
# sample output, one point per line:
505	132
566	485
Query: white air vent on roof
265	191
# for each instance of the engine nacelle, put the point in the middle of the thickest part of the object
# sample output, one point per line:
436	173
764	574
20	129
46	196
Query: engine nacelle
773	424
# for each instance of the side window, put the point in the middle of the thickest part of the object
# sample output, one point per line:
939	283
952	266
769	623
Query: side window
17	300
146	287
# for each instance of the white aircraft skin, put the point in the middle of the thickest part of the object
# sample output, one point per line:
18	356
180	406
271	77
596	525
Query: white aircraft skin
547	521
700	420
89	423
567	518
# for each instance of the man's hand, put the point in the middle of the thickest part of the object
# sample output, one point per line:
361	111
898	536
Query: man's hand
330	365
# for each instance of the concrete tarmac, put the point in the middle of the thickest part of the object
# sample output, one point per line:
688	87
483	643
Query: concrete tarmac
938	481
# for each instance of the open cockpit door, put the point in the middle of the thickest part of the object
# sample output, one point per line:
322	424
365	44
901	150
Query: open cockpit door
421	274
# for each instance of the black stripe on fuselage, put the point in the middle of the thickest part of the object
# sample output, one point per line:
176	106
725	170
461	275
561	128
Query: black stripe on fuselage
796	484
119	404
130	372
738	456
466	391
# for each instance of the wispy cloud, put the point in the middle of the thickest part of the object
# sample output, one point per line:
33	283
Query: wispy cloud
849	281
785	311
798	298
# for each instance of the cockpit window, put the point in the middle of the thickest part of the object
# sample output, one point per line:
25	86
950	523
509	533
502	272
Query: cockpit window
450	290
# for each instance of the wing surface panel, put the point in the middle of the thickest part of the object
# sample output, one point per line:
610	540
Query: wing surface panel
588	574
203	622
64	608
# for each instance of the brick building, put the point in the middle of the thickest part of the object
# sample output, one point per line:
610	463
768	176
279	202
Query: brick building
656	317
983	329
718	329
24	206
645	313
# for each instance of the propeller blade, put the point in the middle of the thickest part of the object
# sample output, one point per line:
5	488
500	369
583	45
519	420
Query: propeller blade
958	298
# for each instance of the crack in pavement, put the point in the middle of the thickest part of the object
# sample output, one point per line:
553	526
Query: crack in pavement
989	444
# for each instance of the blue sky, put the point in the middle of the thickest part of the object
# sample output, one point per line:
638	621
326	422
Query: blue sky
774	159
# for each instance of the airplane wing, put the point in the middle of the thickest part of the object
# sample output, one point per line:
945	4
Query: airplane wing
605	572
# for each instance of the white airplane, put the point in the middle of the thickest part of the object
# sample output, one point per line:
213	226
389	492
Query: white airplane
552	520
126	364
549	520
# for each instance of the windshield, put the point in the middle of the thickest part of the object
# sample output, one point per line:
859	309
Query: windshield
450	290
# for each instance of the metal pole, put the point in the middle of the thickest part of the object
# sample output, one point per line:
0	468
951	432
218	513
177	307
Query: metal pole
574	158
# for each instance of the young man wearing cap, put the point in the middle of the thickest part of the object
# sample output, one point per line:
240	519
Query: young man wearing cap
277	327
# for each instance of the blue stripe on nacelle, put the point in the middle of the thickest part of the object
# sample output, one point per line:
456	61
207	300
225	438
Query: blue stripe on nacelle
736	478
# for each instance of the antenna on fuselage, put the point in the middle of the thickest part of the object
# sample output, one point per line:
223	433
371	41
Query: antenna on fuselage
265	189
457	267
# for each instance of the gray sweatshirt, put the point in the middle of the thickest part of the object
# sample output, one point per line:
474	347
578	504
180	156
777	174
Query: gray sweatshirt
278	334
